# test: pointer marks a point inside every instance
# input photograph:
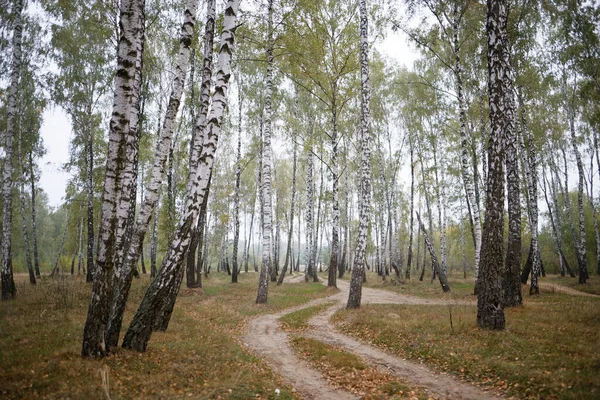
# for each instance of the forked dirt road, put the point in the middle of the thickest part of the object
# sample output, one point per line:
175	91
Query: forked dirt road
266	339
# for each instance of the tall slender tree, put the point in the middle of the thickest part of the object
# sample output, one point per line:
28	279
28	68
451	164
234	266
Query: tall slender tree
490	307
358	270
267	256
129	55
9	289
158	302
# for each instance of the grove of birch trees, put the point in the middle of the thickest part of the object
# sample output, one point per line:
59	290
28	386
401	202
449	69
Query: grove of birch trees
283	137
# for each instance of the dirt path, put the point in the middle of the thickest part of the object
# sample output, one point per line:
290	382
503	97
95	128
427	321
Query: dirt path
564	289
267	340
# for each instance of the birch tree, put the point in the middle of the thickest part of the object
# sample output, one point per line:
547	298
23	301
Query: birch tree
490	308
159	300
358	270
128	64
9	291
133	247
267	261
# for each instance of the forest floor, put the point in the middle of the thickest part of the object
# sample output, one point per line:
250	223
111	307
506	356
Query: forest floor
268	340
407	341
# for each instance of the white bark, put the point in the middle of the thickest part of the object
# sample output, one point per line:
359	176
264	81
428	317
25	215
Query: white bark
267	261
166	281
355	294
9	290
123	273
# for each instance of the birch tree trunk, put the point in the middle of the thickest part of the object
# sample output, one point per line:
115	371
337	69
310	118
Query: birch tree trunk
36	262
113	217
436	265
289	257
490	309
154	241
89	147
532	183
23	200
133	246
308	254
595	150
9	290
24	227
358	270
202	235
344	261
265	268
468	178
198	130
554	221
567	201
236	196
161	294
512	267
412	207
247	246
335	236
581	249
316	252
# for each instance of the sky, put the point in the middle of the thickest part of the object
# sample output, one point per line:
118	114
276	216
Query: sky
56	129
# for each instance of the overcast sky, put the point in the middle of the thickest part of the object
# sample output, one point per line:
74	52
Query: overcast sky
56	129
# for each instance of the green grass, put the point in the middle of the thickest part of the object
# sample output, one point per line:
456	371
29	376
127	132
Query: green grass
197	357
550	348
298	320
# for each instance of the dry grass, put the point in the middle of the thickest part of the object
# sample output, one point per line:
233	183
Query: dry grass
592	286
198	357
349	372
550	348
298	320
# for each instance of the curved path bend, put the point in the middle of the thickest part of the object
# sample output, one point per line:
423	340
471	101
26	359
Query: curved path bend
266	339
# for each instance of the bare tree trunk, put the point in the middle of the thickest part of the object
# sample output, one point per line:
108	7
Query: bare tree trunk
90	200
358	270
263	283
469	179
512	267
490	308
114	206
554	218
160	297
318	244
581	249
247	246
36	261
23	219
344	252
55	270
335	236
412	207
595	145
9	290
288	254
154	242
441	276
236	196
133	246
308	254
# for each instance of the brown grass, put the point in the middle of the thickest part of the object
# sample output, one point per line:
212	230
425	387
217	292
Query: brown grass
198	356
550	348
349	372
